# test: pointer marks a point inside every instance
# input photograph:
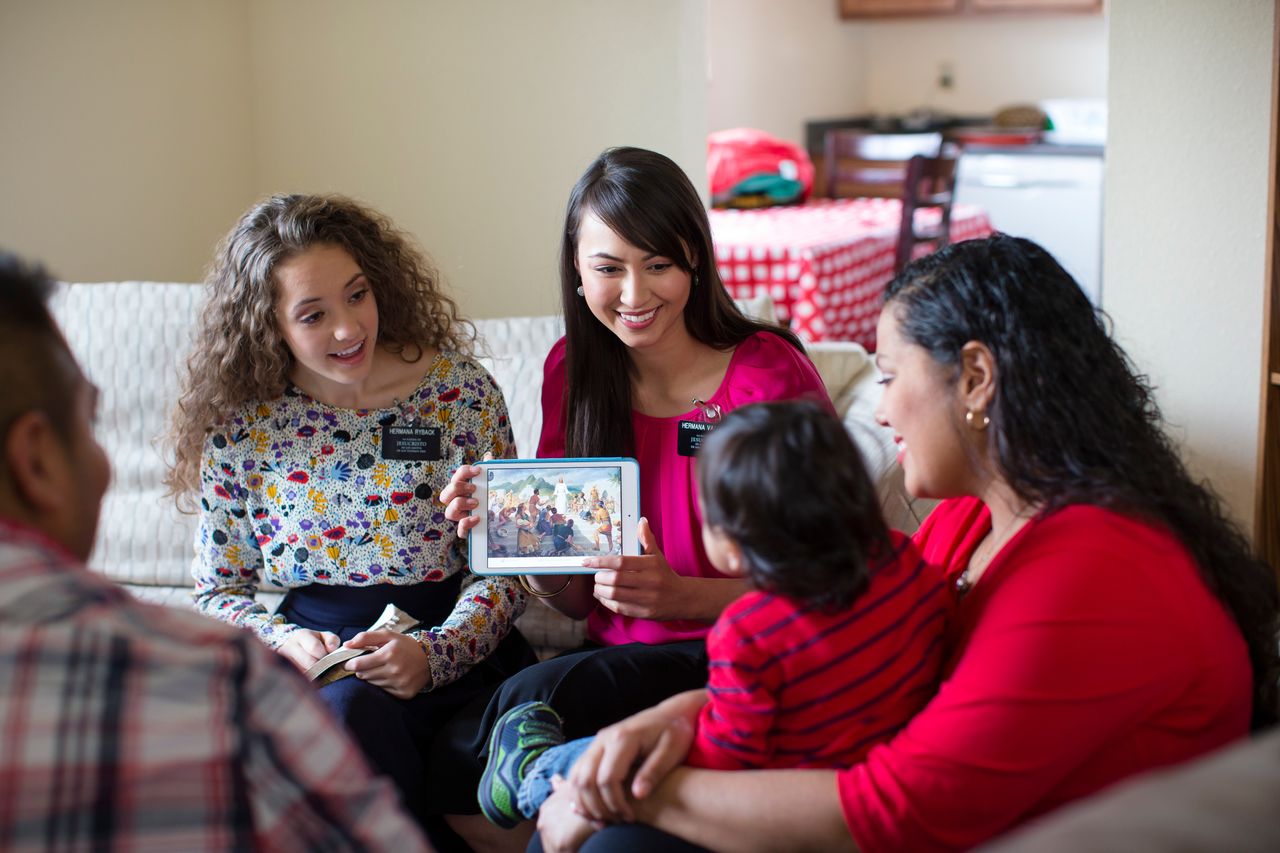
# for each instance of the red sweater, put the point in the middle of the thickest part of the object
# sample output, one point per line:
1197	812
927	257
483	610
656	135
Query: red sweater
791	686
1090	650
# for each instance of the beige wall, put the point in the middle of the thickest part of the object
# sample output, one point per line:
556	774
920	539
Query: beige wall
775	65
144	127
126	133
995	60
1187	174
136	131
469	122
152	124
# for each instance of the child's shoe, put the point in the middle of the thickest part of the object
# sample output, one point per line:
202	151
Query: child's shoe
517	739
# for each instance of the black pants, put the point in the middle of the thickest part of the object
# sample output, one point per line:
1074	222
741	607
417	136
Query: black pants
396	734
629	838
590	688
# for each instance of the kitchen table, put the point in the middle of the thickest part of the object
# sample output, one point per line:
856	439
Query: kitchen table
825	264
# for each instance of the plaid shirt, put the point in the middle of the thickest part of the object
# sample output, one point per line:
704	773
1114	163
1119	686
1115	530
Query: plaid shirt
126	726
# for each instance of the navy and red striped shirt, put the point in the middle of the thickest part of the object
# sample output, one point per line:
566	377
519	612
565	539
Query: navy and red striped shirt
795	686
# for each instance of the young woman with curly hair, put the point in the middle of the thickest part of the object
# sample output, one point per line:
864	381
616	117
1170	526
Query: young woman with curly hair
329	396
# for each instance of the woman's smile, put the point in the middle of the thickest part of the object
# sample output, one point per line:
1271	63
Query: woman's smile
637	319
352	355
638	295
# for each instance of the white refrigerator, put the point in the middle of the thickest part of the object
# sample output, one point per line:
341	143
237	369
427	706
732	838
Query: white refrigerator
1049	194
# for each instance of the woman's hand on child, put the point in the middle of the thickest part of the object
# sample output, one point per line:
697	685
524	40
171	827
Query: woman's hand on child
399	666
458	500
658	738
561	828
304	647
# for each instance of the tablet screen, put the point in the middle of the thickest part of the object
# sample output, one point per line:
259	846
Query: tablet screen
545	514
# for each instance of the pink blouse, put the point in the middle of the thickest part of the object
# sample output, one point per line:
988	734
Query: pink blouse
763	367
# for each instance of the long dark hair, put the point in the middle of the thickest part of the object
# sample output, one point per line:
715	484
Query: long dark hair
1073	422
649	202
787	484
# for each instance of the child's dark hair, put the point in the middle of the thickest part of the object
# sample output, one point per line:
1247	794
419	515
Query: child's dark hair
787	484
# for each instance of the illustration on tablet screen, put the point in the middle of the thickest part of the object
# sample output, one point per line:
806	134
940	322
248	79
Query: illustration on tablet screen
551	512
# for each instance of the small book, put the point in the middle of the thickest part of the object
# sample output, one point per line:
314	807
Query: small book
330	667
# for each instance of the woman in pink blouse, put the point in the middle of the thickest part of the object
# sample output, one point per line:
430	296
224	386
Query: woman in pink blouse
654	349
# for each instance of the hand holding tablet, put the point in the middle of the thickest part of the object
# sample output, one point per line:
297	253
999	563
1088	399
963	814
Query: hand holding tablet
548	515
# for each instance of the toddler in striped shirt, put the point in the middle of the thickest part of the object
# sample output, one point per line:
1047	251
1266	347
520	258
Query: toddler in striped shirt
836	646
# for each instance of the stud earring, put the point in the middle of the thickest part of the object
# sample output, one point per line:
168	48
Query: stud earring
581	292
977	420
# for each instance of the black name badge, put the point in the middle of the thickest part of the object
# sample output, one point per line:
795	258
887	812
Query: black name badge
690	435
412	443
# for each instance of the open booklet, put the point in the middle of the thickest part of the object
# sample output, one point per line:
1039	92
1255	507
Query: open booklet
329	668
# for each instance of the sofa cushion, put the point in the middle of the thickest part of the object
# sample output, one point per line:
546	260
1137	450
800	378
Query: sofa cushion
841	364
131	339
513	349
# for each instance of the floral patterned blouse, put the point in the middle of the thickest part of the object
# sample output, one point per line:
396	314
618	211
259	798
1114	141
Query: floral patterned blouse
296	492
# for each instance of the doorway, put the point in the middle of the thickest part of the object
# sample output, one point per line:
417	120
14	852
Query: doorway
1267	523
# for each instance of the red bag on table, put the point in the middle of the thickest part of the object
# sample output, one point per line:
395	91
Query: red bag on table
744	162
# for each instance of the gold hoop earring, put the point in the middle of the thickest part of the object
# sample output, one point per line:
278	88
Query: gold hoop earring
581	292
971	418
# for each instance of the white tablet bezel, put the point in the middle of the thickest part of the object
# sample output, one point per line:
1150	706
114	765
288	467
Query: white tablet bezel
628	512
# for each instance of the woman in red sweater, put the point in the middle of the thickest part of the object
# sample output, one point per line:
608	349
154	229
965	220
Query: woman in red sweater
1111	619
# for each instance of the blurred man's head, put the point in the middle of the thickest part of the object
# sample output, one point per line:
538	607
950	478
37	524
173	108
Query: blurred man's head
53	473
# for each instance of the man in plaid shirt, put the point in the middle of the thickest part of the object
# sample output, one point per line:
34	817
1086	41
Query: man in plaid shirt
125	725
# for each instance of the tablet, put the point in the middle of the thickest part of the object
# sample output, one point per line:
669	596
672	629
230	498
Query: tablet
547	515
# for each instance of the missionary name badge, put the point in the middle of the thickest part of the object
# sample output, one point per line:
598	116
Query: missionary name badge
411	442
690	435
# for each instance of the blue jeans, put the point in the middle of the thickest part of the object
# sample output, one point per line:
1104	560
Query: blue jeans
556	761
600	685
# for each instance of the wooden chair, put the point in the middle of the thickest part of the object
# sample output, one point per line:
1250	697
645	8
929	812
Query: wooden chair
929	182
857	163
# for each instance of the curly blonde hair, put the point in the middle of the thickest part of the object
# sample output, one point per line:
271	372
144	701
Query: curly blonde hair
239	355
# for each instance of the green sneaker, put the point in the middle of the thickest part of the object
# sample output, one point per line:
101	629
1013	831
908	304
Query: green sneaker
517	739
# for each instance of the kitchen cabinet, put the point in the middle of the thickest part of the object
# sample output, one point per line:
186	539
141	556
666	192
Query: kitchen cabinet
1035	5
911	8
893	8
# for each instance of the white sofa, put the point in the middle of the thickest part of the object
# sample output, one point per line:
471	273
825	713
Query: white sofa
132	339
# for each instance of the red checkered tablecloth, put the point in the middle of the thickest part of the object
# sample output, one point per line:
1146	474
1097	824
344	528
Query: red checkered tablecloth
825	264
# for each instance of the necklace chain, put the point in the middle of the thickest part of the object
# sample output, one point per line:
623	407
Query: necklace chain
987	551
